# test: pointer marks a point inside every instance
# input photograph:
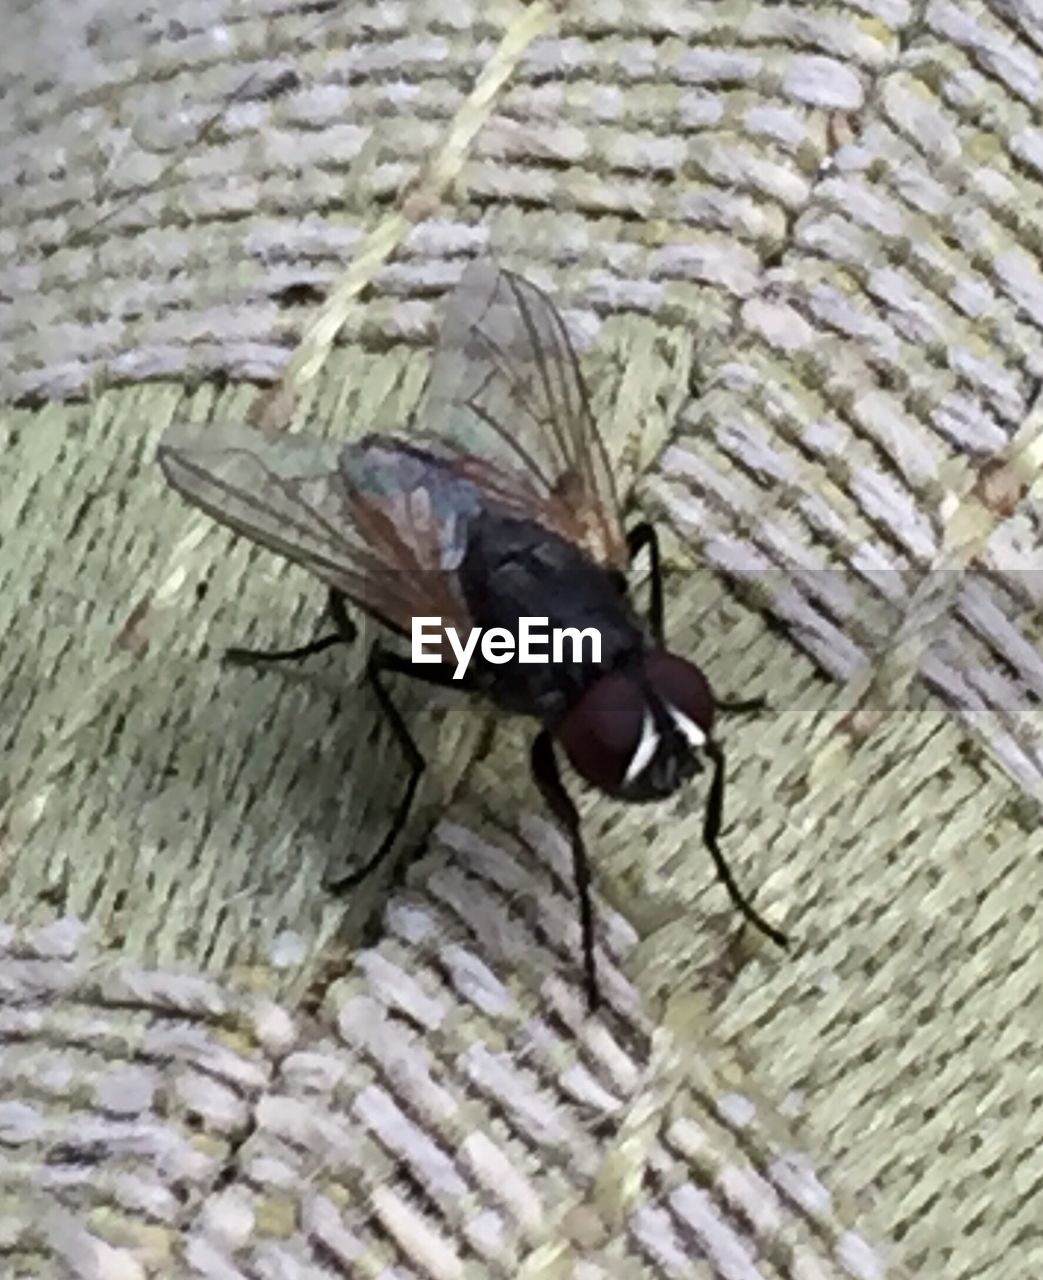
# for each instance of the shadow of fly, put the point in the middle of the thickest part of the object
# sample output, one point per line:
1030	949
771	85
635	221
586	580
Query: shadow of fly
498	504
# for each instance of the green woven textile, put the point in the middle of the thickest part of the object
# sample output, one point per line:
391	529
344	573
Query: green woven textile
800	247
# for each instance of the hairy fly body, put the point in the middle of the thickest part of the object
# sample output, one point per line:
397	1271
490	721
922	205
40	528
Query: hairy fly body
498	503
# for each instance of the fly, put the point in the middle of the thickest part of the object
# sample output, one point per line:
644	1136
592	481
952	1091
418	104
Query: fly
499	504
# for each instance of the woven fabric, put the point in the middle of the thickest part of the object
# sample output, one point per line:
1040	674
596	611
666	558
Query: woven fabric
800	246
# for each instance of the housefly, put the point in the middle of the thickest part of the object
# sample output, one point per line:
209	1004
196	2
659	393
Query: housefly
498	503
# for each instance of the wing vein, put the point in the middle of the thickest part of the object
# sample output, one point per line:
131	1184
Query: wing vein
540	361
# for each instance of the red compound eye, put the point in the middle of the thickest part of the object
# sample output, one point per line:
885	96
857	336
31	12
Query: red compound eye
681	685
601	732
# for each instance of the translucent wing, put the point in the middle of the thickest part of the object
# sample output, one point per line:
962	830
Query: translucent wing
506	394
371	520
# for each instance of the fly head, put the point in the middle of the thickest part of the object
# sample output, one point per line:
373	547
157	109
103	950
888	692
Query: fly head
636	732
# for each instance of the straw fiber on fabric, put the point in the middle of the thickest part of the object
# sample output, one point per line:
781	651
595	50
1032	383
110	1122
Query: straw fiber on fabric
799	245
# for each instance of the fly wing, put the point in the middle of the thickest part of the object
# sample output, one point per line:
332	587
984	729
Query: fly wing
385	547
506	395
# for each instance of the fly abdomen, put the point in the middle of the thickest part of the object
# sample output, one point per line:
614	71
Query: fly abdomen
422	496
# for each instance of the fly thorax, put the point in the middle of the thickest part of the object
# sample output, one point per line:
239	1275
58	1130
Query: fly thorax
515	569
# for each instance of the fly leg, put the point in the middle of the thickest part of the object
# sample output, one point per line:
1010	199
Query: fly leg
644	535
640	536
545	773
381	661
742	706
345	633
711	830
